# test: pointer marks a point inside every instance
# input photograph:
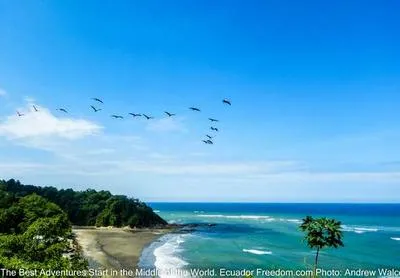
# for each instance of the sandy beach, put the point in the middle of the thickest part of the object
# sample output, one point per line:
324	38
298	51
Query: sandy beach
115	248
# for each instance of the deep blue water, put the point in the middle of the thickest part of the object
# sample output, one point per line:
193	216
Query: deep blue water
370	210
255	235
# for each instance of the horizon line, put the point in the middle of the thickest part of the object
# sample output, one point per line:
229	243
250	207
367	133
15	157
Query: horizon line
266	202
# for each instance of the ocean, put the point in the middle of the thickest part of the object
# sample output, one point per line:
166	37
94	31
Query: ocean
250	236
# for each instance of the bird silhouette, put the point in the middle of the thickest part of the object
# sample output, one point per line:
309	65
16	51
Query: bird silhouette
214	128
213	120
210	142
209	137
117	117
34	107
194	109
135	115
205	141
148	117
95	109
98	100
62	110
20	114
169	114
226	101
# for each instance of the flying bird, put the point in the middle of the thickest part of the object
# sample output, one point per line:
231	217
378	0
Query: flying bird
20	114
98	100
95	109
205	141
135	115
117	116
169	114
213	120
214	128
34	107
209	137
148	117
62	110
210	142
194	109
226	101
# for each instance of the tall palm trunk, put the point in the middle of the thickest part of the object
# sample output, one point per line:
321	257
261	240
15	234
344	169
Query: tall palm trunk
316	263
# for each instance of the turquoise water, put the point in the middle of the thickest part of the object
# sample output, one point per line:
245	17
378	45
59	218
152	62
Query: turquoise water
250	236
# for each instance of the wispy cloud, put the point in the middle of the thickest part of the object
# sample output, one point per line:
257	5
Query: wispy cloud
269	173
390	163
160	156
168	166
2	92
167	125
43	124
30	100
277	172
304	177
198	154
101	151
223	168
18	168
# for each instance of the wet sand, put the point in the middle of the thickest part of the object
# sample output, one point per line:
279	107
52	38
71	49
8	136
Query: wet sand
115	248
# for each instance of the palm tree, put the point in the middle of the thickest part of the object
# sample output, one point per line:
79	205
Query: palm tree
321	233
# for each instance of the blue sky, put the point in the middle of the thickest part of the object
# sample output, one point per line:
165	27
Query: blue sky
315	90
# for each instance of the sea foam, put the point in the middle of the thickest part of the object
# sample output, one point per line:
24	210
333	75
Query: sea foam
294	220
257	252
255	217
297	221
265	218
366	229
167	255
359	230
395	238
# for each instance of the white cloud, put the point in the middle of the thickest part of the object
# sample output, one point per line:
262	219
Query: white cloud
161	157
2	92
232	168
29	100
165	165
328	177
18	168
101	151
277	172
43	124
268	172
198	154
22	165
166	125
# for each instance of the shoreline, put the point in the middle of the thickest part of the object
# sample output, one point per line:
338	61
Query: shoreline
116	248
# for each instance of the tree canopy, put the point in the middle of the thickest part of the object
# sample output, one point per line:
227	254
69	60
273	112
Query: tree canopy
35	223
322	233
35	234
87	208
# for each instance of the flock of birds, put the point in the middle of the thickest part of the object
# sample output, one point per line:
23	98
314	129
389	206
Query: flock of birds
95	109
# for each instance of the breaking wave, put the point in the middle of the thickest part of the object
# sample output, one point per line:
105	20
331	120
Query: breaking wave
167	255
250	217
257	252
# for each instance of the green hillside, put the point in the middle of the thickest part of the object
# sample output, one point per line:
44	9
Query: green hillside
90	207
